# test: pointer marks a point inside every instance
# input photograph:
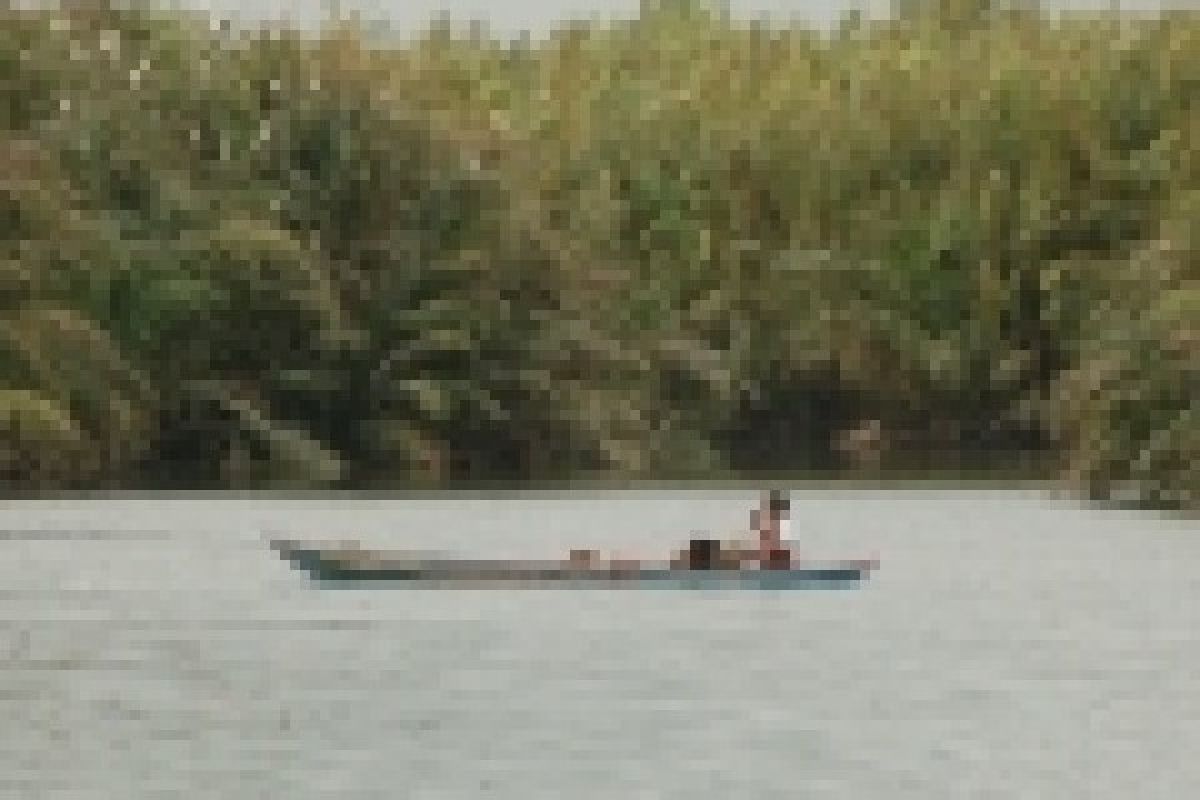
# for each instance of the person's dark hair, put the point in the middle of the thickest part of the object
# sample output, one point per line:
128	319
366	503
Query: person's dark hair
778	501
703	553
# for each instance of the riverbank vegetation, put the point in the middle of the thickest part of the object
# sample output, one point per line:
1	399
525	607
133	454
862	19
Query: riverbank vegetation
682	245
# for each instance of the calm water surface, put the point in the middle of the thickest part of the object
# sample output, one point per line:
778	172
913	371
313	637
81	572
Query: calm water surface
1010	646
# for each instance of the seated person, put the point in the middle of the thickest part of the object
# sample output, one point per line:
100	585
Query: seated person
704	554
770	523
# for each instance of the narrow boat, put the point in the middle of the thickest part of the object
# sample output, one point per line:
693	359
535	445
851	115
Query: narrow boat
347	566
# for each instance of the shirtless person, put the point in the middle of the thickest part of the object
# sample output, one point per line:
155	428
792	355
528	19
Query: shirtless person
772	524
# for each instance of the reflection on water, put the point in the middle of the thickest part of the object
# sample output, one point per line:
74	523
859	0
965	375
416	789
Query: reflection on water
1009	644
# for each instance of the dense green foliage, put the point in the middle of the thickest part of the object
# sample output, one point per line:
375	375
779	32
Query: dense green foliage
681	245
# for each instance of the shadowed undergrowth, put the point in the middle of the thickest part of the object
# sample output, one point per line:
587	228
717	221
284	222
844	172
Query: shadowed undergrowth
678	246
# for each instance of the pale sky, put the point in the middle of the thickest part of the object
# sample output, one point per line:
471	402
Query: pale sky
509	17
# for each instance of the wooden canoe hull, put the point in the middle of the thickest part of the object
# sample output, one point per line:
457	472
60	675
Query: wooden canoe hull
349	568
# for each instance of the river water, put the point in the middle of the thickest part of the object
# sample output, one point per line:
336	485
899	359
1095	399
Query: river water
1011	645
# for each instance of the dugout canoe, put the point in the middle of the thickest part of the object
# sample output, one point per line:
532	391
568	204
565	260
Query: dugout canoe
342	566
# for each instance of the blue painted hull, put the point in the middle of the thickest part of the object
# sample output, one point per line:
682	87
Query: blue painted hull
343	569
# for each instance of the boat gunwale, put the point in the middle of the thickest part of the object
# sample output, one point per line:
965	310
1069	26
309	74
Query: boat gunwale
341	564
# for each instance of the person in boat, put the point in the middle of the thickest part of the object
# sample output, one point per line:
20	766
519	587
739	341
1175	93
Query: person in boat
770	551
771	522
774	546
702	554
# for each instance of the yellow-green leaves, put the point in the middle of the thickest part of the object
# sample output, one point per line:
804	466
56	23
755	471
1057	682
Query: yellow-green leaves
619	247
